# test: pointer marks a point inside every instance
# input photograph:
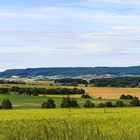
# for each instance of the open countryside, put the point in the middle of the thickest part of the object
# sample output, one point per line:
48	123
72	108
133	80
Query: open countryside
69	70
96	92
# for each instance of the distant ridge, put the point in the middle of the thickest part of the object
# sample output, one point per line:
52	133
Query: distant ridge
73	71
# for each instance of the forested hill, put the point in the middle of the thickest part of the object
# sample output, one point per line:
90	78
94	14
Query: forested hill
73	71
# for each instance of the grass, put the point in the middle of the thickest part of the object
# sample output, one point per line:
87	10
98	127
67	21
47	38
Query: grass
30	102
74	124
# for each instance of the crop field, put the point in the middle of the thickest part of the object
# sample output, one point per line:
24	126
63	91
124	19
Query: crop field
74	124
112	93
104	92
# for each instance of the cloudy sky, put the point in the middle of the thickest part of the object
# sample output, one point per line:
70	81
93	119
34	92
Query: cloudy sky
53	33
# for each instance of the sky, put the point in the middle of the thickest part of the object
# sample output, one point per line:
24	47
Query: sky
69	33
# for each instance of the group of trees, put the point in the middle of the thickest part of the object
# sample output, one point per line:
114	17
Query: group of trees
6	104
42	91
85	95
116	82
109	104
103	82
49	104
11	82
135	100
71	81
126	97
72	103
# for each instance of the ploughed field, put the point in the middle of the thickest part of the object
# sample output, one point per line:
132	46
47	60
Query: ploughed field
70	124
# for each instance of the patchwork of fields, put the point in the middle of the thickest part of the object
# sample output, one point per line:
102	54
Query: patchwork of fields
28	122
104	92
74	124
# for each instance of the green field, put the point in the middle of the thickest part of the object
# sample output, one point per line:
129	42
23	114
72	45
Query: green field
32	102
74	124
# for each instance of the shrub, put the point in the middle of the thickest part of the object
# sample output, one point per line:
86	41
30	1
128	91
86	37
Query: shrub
108	104
119	104
85	96
101	105
49	104
123	96
69	103
135	102
88	104
129	97
4	91
6	104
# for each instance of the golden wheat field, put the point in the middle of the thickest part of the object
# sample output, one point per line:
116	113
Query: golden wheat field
112	93
70	124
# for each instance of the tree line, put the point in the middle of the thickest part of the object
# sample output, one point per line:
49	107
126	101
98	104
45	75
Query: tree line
102	82
71	81
116	82
68	102
11	82
41	91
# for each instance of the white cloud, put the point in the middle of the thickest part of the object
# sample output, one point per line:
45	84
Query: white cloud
83	28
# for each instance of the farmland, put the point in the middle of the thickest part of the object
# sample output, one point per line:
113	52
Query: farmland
32	102
104	92
74	124
27	121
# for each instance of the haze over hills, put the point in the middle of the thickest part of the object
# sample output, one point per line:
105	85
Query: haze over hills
73	71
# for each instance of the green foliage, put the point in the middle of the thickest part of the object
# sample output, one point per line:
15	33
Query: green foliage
11	82
6	104
119	104
101	105
123	97
108	104
116	82
88	104
37	91
69	103
71	81
4	91
129	97
49	104
135	102
85	95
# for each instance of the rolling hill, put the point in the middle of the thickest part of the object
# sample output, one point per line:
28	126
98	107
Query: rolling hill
73	71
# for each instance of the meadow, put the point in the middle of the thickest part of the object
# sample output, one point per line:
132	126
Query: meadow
70	124
34	102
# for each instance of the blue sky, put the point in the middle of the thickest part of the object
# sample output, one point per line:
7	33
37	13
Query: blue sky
52	33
